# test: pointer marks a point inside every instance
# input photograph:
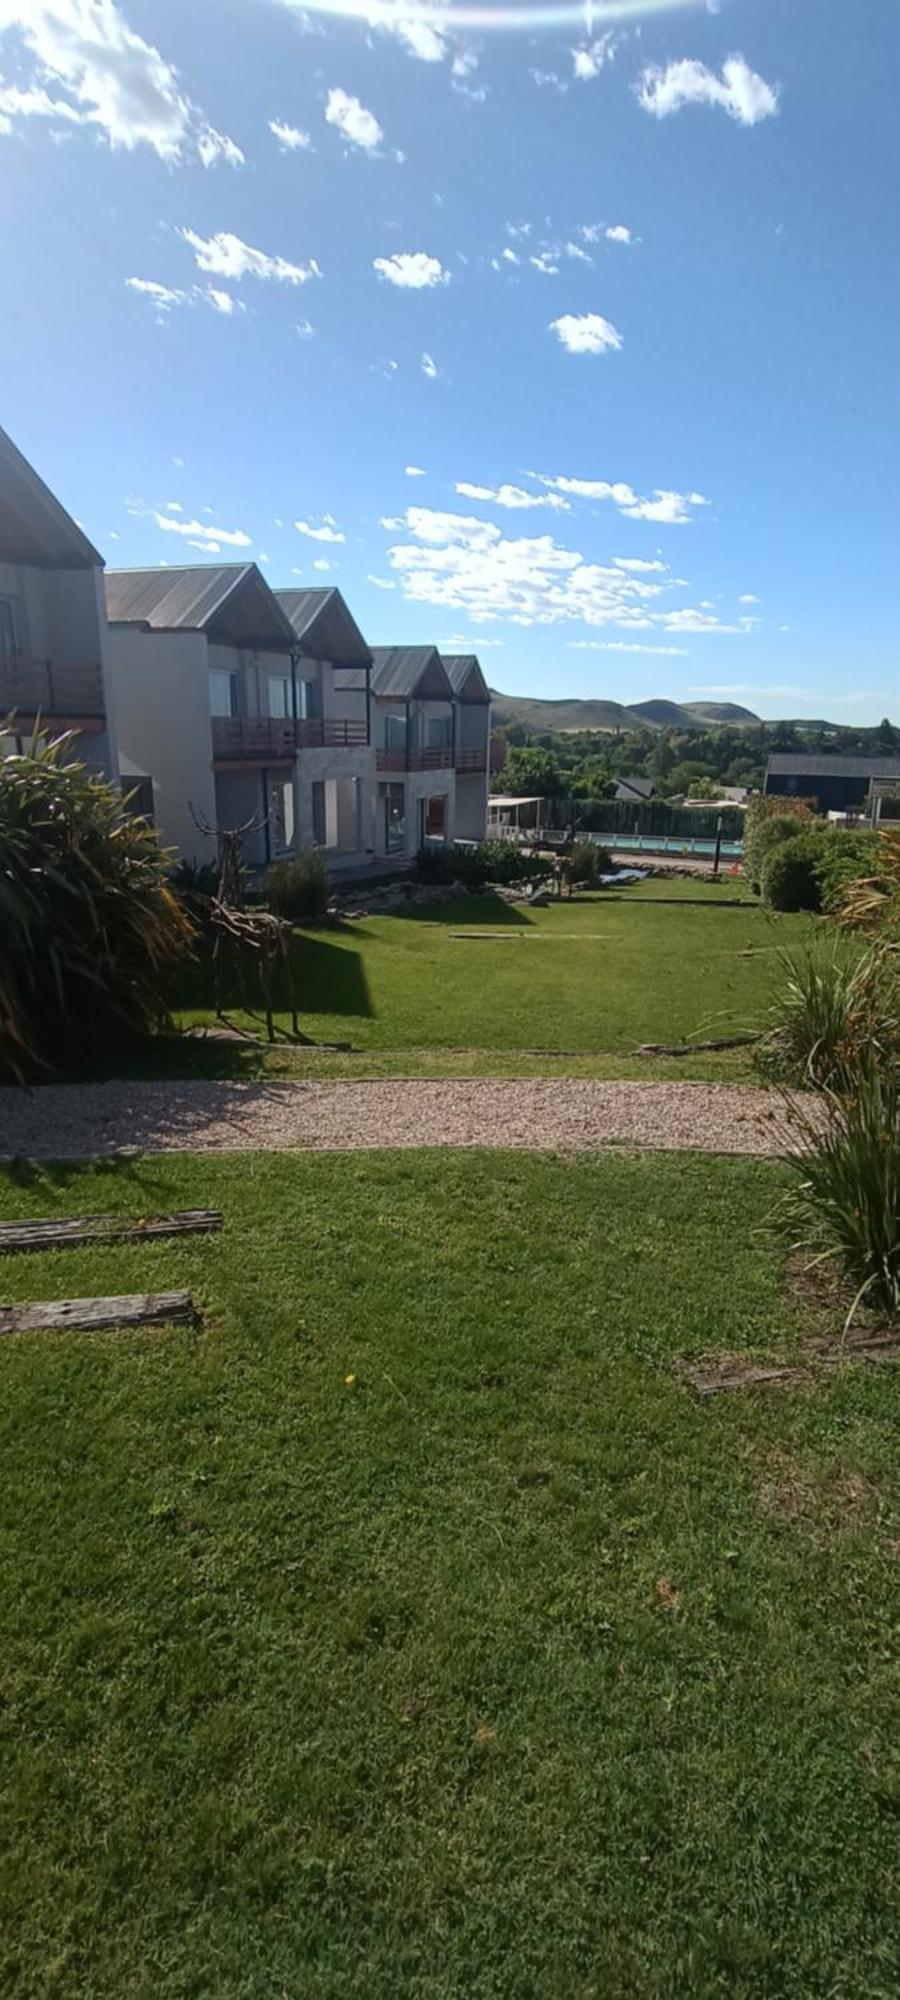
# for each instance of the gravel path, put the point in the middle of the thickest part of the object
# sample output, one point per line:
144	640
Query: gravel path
75	1121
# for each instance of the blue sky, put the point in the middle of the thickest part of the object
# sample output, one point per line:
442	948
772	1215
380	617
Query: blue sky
679	439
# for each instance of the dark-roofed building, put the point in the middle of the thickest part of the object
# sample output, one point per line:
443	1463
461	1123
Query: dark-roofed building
634	789
334	779
203	667
471	741
832	783
53	657
413	727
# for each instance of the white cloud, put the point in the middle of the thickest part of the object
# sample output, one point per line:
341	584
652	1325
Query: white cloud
618	232
673	510
321	564
174	507
748	598
115	81
412	270
233	538
575	250
429	367
355	124
549	79
327	532
745	96
700	621
586	333
462	69
419	37
224	302
511	496
290	138
592	57
207	548
414	471
304	329
381	582
226	256
638	565
164	297
468	565
545	261
626	646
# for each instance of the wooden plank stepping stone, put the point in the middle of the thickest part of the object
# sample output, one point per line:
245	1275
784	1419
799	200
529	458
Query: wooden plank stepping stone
101	1315
47	1233
710	1379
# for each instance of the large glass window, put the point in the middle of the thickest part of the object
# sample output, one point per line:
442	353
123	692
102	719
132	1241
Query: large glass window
309	702
281	813
318	811
438	732
281	706
393	799
222	692
395	732
8	647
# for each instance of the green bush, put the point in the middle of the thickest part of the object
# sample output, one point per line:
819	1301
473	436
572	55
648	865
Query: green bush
505	863
443	866
790	878
298	889
763	836
91	930
835	1010
844	1204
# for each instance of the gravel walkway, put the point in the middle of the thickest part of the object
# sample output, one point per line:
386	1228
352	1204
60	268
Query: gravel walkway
77	1121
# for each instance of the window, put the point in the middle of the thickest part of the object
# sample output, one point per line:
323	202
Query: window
222	692
318	811
394	803
435	818
395	733
437	732
8	646
281	706
281	813
309	704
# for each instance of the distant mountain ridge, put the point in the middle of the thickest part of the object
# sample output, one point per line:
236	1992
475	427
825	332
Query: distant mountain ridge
569	716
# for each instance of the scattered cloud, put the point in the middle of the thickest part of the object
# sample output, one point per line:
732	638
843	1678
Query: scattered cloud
163	297
627	646
700	621
381	582
355	124
420	38
592	57
328	530
618	232
549	79
226	256
512	497
672	510
412	270
462	563
115	82
304	329
429	367
575	250
545	261
462	69
748	598
321	564
739	90
586	333
232	538
290	138
414	471
639	566
224	302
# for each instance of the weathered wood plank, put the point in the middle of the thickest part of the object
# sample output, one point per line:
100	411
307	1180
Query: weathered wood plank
48	1233
709	1380
100	1315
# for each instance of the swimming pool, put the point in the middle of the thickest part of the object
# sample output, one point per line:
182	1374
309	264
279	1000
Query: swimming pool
662	843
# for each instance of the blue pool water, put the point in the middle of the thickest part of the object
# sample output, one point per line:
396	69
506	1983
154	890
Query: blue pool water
660	843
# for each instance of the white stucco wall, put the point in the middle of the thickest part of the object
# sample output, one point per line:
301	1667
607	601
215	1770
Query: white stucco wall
60	616
471	805
160	691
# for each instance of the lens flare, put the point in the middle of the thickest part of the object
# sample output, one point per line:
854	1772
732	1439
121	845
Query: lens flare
469	14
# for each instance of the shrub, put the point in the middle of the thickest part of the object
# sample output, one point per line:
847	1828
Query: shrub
764	831
504	862
443	866
195	879
298	889
91	929
790	878
845	1200
872	901
834	1010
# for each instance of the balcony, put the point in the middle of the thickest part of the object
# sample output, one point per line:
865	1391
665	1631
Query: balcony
331	732
246	739
415	760
472	760
68	690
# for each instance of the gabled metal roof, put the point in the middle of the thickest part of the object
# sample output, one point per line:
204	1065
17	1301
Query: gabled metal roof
34	527
407	672
817	763
466	678
324	626
230	602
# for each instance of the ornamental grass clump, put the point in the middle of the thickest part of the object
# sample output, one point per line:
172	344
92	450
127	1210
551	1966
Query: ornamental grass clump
91	930
836	1011
844	1203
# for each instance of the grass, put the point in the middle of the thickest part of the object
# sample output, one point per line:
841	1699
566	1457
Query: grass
505	1670
583	981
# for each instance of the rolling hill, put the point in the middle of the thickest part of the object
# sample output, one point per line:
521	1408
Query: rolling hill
568	716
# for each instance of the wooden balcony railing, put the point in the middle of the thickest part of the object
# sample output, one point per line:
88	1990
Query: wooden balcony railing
332	732
472	760
390	760
415	760
51	687
255	739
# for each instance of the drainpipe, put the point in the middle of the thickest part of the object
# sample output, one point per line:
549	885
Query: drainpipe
267	831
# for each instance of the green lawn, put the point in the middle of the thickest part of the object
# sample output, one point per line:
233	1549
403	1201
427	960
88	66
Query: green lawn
586	980
505	1670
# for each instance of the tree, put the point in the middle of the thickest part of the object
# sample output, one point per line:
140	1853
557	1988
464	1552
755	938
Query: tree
535	773
888	738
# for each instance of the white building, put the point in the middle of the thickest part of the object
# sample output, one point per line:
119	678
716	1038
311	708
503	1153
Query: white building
53	640
413	714
334	796
471	743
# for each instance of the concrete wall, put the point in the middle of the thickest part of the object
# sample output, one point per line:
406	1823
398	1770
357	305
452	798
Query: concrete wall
160	689
60	616
471	805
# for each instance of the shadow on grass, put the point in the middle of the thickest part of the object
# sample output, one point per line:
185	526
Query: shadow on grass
329	978
476	910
